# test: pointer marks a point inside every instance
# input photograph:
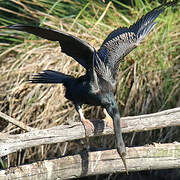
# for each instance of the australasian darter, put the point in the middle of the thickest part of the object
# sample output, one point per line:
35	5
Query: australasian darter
98	86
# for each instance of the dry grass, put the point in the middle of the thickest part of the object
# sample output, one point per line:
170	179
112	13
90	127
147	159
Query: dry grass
149	78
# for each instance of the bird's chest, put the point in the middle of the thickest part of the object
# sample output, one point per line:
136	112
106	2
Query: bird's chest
82	93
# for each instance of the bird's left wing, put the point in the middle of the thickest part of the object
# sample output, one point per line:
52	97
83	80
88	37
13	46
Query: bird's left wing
122	41
78	49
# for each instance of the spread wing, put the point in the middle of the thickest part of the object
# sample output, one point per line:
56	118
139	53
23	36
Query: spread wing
122	41
78	49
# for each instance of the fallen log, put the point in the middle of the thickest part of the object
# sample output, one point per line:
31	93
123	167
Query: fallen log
152	157
63	133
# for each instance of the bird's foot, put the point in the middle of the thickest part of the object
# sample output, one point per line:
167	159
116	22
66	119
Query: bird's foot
109	122
88	126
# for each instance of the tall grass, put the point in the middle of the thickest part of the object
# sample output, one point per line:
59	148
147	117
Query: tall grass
149	77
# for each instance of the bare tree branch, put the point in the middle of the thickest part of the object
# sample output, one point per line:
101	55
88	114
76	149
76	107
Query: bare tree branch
19	124
63	133
153	157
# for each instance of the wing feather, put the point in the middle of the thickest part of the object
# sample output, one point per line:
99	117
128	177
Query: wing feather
122	41
78	49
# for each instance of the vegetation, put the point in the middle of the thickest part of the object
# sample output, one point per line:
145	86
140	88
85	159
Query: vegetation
149	77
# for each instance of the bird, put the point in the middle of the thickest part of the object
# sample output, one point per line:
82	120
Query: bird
98	85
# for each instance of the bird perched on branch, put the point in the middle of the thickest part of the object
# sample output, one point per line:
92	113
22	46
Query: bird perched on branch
98	86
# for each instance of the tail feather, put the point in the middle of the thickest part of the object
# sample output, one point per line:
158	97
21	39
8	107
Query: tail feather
49	76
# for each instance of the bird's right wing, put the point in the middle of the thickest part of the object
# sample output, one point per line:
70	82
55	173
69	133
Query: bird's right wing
78	49
122	41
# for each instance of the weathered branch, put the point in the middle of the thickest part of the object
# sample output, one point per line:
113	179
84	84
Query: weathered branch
19	124
153	157
63	133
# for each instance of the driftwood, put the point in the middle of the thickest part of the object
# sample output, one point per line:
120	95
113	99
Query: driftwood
15	122
63	133
157	156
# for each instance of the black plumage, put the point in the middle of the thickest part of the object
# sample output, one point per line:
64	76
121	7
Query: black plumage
98	86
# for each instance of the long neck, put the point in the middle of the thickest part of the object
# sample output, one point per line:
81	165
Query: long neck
112	109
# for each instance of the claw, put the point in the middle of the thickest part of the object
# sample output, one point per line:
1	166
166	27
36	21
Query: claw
109	120
88	126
